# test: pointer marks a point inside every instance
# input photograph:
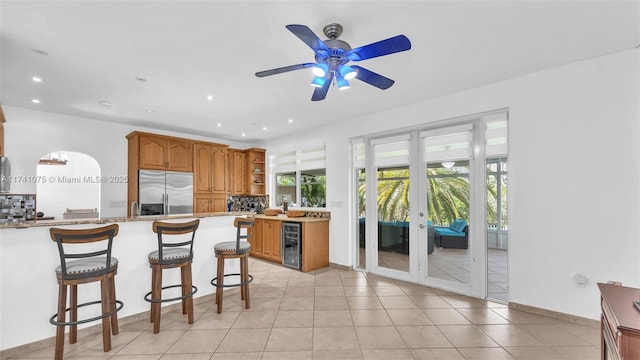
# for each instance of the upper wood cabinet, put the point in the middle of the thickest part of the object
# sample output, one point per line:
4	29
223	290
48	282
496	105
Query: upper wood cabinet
209	168
255	171
158	152
237	172
209	177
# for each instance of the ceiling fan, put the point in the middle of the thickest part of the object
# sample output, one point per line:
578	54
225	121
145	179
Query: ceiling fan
332	56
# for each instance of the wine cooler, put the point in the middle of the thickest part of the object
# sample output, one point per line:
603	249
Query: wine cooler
292	244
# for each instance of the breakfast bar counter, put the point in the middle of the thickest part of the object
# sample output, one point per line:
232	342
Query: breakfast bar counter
28	258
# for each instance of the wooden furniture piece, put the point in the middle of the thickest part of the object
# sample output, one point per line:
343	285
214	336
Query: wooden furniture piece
620	322
255	171
209	177
89	265
239	248
266	240
172	253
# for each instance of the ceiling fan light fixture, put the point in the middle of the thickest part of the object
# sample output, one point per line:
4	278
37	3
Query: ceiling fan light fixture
347	72
342	83
318	81
320	70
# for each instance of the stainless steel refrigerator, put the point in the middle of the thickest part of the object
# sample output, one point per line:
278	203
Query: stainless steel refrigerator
165	192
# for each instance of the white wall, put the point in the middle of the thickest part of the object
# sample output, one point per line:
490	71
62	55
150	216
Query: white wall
574	168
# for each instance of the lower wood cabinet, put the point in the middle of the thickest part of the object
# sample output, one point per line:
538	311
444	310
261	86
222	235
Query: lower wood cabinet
265	239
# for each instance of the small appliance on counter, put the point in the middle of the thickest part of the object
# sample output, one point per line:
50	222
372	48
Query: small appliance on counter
17	208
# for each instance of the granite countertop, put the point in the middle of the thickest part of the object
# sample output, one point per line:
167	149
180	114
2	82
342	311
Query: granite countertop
108	220
283	217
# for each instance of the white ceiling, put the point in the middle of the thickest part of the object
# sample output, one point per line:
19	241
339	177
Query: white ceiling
187	50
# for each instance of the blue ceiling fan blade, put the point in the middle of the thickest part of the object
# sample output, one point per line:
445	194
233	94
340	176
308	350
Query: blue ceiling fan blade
321	92
383	47
284	69
372	78
308	37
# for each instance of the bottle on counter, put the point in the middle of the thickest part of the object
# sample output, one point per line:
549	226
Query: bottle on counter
285	205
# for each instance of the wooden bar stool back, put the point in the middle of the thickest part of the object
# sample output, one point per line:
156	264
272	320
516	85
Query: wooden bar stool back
85	257
239	248
174	251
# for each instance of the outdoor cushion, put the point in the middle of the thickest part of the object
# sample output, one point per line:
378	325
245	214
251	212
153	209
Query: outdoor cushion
449	232
458	225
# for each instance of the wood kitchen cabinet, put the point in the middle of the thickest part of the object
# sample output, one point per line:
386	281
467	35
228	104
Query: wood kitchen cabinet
265	239
237	173
255	171
157	152
207	203
209	177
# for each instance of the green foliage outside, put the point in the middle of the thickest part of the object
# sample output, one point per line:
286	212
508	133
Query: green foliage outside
447	195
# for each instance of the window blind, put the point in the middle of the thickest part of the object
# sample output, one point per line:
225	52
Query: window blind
391	151
496	134
453	143
358	153
307	159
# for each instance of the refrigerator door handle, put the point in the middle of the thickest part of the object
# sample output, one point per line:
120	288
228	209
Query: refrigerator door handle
166	200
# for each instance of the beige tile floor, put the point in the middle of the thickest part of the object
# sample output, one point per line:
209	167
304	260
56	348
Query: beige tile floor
337	314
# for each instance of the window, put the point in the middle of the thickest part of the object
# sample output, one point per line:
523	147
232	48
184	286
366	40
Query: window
286	188
300	177
313	188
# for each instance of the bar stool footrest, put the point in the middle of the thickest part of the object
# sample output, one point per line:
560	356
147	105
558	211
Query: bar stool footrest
53	320
148	298
214	281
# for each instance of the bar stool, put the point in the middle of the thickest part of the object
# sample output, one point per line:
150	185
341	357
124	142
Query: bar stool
90	265
232	250
173	252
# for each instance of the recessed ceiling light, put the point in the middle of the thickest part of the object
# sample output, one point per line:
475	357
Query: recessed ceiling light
104	103
39	52
35	101
141	79
148	110
243	134
264	128
36	79
210	97
290	121
219	124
